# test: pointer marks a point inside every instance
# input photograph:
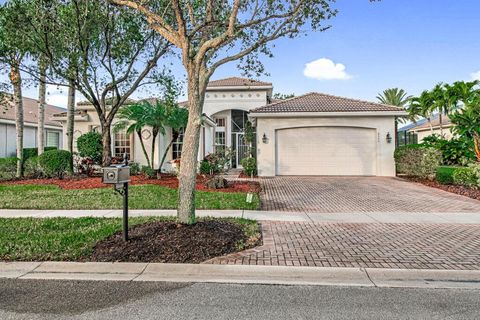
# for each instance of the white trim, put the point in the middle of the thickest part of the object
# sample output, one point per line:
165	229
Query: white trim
32	125
445	126
327	114
252	88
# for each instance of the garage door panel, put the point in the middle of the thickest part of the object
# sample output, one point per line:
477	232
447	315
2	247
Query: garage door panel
326	151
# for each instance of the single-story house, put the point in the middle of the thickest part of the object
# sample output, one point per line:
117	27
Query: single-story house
428	128
313	134
53	130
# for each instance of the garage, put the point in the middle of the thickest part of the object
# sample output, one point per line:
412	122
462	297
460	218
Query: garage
319	134
326	151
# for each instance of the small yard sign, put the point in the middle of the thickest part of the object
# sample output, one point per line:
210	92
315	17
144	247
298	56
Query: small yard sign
249	197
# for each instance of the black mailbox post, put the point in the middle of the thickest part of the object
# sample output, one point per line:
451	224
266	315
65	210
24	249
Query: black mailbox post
119	176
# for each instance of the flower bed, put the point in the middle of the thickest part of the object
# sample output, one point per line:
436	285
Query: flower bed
461	190
81	183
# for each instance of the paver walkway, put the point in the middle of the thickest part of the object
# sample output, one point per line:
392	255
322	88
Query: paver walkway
368	245
358	194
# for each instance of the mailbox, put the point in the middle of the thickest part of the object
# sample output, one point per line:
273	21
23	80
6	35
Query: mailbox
116	174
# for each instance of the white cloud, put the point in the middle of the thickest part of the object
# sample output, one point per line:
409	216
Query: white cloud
475	75
325	69
57	96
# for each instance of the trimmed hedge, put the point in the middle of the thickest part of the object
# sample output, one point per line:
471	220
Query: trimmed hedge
33	152
90	146
445	174
417	160
55	163
249	166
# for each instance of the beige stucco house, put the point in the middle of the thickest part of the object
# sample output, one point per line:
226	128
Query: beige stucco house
313	134
427	129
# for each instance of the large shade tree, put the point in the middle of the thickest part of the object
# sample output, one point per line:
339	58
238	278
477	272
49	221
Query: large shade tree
211	33
103	51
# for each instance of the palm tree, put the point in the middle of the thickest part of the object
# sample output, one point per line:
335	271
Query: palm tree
176	119
394	97
422	106
132	117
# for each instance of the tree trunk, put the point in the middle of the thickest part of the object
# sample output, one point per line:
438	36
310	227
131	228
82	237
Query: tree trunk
154	138
174	137
191	141
16	80
142	144
70	119
476	143
106	143
42	90
440	118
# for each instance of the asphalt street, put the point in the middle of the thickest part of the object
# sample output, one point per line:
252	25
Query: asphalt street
43	299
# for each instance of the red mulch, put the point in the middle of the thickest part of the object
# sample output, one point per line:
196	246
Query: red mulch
461	190
170	242
243	175
165	180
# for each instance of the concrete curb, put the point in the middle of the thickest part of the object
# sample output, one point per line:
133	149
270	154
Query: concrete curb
277	275
339	217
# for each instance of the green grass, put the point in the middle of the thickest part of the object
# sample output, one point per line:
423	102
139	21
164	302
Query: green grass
69	239
140	197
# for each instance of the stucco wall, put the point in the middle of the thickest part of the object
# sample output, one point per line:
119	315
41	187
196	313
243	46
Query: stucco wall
216	101
268	126
447	133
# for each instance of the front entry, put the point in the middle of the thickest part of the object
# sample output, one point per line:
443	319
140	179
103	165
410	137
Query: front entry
240	149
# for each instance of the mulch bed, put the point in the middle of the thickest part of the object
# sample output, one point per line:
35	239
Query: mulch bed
76	183
171	242
461	190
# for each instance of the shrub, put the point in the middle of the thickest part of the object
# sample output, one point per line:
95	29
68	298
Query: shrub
218	161
455	151
33	152
417	161
465	177
249	166
89	145
8	168
32	168
445	174
205	167
55	163
134	168
148	172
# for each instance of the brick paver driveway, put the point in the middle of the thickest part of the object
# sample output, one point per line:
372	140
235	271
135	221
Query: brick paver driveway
368	245
358	194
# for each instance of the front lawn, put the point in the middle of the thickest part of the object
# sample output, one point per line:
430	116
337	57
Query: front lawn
141	197
71	239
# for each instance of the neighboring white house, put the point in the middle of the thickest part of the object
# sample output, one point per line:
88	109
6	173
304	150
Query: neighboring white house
313	134
427	128
53	130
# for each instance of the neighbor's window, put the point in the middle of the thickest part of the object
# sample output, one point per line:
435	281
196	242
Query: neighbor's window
122	144
177	144
53	139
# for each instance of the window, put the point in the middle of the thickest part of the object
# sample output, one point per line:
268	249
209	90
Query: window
177	144
122	144
220	122
220	142
53	139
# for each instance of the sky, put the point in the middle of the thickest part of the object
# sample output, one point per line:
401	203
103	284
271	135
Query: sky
410	44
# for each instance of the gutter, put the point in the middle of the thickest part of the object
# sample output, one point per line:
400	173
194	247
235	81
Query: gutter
31	125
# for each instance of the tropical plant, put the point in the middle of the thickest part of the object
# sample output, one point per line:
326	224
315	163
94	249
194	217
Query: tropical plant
421	106
210	34
467	123
455	151
176	119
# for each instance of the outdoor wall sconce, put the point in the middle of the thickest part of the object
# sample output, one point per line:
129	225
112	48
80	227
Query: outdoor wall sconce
264	138
389	138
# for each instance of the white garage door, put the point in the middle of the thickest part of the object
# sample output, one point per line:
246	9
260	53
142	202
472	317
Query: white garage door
326	151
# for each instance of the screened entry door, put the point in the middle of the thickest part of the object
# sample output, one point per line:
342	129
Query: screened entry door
241	148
